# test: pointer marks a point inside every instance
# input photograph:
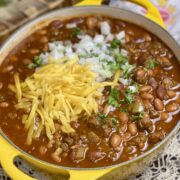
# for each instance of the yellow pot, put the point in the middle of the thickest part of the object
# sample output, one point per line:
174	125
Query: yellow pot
9	151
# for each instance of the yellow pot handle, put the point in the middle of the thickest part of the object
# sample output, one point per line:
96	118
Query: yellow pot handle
87	175
152	12
7	155
89	3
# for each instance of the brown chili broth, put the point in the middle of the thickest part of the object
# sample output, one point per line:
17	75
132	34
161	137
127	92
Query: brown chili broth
11	123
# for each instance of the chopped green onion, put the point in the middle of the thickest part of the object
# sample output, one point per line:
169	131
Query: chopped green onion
75	32
115	43
37	63
151	64
114	97
31	66
101	118
114	122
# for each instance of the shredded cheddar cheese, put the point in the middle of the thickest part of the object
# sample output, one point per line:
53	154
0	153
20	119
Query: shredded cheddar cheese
57	93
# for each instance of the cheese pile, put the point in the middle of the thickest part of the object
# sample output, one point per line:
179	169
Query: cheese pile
57	93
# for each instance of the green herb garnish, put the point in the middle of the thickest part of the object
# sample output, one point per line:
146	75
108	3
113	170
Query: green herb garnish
115	43
138	116
113	67
101	118
114	98
37	63
75	32
124	110
151	64
120	59
128	98
114	122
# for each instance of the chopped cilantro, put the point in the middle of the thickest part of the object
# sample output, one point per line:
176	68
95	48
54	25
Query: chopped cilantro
31	66
113	67
101	118
130	91
115	43
114	97
123	110
137	116
151	64
75	32
114	122
120	59
37	63
128	98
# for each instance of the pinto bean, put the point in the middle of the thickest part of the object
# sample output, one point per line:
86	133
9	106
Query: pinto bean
164	116
147	96
130	149
171	94
150	72
157	136
139	140
153	82
164	62
56	24
115	140
93	122
126	136
1	85
123	128
158	104
13	58
4	104
42	32
147	37
153	113
56	155
26	61
95	156
106	130
139	75
8	68
147	104
123	117
145	123
93	138
34	51
132	128
91	22
141	145
145	88
167	83
161	92
69	140
50	143
42	150
172	107
43	39
76	20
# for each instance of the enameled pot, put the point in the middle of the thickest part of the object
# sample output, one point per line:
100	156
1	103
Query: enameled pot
9	151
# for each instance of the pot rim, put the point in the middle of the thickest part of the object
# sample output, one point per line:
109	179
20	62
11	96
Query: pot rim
49	14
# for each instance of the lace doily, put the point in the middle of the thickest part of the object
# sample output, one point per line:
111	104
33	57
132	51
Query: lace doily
166	167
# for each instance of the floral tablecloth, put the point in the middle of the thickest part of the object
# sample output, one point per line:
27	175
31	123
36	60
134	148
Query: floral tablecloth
167	166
